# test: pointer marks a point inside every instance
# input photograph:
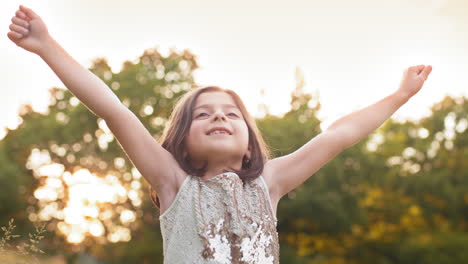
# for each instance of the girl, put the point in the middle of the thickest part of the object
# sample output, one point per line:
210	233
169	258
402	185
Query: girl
215	185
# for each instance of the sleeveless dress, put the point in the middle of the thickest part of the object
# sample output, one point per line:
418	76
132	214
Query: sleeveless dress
222	221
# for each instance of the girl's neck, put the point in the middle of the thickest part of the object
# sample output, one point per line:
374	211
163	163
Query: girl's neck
216	169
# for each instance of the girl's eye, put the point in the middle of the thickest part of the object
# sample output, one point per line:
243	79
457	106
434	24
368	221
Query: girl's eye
205	114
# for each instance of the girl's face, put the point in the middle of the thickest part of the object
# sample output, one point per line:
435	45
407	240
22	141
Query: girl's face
217	109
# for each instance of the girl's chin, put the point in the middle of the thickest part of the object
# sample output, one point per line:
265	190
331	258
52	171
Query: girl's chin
219	151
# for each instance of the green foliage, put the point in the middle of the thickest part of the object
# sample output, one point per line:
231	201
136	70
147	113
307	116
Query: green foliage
406	200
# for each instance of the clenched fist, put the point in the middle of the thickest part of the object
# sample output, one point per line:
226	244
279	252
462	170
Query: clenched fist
413	80
28	31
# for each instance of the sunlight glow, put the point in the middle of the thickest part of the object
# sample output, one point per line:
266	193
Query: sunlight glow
93	202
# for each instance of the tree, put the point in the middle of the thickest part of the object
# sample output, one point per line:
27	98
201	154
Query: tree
69	146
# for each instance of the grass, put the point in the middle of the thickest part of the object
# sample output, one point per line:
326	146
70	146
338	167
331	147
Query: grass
24	253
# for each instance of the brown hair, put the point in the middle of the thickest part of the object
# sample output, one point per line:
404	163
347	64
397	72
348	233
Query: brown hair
174	134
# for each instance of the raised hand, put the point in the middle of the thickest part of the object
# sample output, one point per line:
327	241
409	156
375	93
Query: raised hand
413	80
28	31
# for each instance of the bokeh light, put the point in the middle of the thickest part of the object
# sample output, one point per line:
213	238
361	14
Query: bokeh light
90	203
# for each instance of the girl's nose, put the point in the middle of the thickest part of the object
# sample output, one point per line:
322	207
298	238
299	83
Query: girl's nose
219	115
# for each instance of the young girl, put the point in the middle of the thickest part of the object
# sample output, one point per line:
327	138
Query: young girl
215	185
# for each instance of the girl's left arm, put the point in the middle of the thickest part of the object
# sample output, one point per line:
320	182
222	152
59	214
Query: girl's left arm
284	174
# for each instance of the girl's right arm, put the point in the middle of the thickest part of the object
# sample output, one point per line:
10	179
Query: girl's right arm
154	162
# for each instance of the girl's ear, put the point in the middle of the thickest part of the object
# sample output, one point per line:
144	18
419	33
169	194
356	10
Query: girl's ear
248	154
246	160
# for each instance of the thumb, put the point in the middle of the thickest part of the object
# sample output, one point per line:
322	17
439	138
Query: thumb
13	37
28	11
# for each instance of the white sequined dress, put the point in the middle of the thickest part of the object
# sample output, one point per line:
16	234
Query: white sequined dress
220	220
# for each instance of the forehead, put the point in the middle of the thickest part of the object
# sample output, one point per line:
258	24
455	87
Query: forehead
213	99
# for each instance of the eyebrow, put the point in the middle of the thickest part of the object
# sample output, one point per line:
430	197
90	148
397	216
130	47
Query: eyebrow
210	106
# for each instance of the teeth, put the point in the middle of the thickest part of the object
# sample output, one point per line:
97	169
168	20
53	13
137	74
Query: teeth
218	132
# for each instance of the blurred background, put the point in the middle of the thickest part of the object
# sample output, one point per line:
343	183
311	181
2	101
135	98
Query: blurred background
398	196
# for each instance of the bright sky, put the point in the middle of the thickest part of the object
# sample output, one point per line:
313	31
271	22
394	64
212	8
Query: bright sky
352	52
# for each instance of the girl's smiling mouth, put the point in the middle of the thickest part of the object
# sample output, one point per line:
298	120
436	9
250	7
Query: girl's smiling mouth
218	131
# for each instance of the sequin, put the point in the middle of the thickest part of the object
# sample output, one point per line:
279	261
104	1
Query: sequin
255	239
254	249
233	222
218	246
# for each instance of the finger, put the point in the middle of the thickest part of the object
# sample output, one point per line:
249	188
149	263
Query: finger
21	14
14	36
418	68
427	70
28	12
20	22
19	29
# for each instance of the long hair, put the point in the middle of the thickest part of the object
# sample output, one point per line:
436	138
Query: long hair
178	127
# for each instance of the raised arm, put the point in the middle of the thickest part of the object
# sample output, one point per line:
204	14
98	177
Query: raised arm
290	171
29	32
154	162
